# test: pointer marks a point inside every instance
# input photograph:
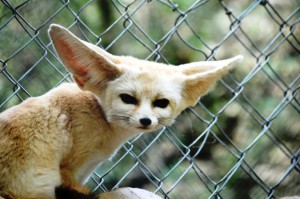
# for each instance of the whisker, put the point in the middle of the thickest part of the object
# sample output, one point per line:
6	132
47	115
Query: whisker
164	120
121	117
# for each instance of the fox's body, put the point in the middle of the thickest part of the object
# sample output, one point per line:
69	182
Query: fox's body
60	137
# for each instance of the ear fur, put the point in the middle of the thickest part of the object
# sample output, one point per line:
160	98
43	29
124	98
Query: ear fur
201	76
90	66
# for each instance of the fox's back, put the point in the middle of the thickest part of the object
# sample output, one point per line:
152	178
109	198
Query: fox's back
35	135
37	119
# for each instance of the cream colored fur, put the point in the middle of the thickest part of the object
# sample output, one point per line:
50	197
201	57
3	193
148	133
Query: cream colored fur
63	135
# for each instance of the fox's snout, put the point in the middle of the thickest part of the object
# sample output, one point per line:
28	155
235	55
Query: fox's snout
145	122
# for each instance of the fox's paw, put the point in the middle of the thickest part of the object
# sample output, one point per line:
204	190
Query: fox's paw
80	188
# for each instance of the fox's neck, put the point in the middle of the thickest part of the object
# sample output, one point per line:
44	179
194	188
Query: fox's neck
103	144
94	139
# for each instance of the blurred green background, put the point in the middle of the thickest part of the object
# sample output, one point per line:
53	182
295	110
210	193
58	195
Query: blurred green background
240	141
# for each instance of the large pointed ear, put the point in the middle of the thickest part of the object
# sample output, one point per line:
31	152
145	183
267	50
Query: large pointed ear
90	66
201	76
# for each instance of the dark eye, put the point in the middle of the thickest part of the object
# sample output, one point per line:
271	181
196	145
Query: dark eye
161	103
128	99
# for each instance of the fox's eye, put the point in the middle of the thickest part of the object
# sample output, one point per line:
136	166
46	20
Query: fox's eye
161	103
128	99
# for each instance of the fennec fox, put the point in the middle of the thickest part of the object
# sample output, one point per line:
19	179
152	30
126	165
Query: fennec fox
60	137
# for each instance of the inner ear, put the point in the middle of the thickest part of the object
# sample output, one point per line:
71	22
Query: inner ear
89	65
201	76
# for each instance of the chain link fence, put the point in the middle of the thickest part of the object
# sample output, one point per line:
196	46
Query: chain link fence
242	140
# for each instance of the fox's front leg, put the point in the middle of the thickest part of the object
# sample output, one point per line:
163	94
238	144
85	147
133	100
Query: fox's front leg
69	180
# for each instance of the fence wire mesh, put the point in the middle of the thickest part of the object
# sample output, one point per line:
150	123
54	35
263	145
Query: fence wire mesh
240	141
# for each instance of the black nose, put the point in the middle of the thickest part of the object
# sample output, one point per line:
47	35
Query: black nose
145	121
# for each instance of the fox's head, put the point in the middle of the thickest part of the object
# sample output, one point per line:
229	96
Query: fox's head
136	94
